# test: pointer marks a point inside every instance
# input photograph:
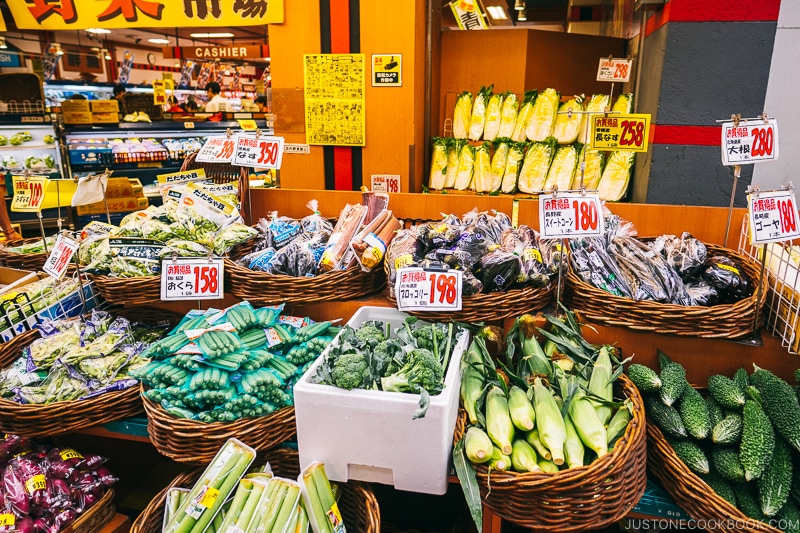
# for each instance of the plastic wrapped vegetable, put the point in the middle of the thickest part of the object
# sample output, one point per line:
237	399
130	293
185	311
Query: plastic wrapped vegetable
524	116
523	241
533	174
453	154
596	104
593	264
649	276
462	115
156	229
562	169
516	154
493	116
686	254
498	270
439	234
728	278
569	120
543	115
315	222
232	235
183	248
478	117
350	219
482	173
592	161
499	159
403	251
466	164
508	115
438	163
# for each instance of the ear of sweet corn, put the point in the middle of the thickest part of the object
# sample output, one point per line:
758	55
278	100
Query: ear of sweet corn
616	175
520	409
498	421
569	120
573	446
453	155
516	153
543	116
562	169
601	385
466	164
593	167
462	115
478	117
499	159
533	174
477	445
482	173
523	457
588	426
596	104
549	422
524	116
508	115
493	115
438	163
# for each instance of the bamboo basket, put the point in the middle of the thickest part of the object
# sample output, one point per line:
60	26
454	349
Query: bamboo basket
692	494
729	321
96	517
11	259
140	290
357	503
577	499
191	441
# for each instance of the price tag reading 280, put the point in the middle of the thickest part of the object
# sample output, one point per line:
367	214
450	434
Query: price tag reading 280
568	215
773	217
191	279
262	151
752	142
421	290
217	150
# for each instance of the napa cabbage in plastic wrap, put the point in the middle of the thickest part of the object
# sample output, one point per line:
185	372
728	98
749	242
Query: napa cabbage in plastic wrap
533	174
232	235
438	171
524	116
466	167
482	171
462	115
453	155
508	115
516	154
499	159
493	115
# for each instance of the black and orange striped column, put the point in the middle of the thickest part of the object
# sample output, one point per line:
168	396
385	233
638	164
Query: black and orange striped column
340	31
701	62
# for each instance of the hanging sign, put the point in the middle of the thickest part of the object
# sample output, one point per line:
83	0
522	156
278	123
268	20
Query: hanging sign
60	256
28	194
217	150
568	215
385	182
258	151
192	278
422	290
183	176
387	70
468	15
744	143
159	92
614	69
620	132
773	217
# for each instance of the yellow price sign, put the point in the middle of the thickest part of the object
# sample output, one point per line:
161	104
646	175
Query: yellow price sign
248	124
620	132
29	194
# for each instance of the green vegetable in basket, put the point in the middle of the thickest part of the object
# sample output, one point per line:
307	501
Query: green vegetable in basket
758	440
231	236
780	403
183	248
694	413
691	454
725	391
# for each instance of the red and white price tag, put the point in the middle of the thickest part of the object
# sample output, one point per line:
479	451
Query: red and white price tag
773	217
385	183
60	256
192	278
620	132
748	143
614	69
261	151
217	150
568	215
421	290
28	193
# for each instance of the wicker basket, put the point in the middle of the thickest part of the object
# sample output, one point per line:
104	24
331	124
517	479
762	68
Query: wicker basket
260	288
729	321
96	517
691	493
357	503
11	259
195	442
141	290
577	499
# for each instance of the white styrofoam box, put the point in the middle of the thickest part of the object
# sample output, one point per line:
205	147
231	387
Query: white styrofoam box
370	435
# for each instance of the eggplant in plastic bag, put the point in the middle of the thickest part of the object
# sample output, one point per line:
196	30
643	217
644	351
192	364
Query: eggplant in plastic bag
524	242
702	292
295	259
686	254
404	251
439	234
498	270
649	275
728	277
592	263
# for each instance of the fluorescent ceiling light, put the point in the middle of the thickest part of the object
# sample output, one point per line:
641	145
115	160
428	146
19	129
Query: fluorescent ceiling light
519	5
158	40
211	35
521	17
497	12
98	30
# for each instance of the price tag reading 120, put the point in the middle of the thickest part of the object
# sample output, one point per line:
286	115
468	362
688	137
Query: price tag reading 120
261	151
421	290
773	217
748	143
191	279
217	150
568	215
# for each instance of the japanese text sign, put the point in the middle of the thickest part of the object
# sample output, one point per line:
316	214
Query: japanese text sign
28	194
568	215
747	143
60	256
773	217
192	279
614	70
420	290
468	15
258	151
385	182
620	132
217	150
387	70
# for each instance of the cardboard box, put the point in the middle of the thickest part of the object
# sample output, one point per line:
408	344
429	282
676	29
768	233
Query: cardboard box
105	106
124	187
77	117
75	106
12	277
115	205
370	435
111	117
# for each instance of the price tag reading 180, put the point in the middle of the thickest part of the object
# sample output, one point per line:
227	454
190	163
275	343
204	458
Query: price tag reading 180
217	150
746	143
261	151
568	215
191	279
773	217
420	290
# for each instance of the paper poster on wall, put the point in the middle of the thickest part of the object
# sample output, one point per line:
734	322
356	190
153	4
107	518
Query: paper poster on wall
334	99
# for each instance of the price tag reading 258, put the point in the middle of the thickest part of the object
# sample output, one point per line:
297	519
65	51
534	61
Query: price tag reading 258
773	217
568	215
620	132
191	279
421	290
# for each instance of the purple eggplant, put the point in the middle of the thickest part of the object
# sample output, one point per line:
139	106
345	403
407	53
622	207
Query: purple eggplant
61	520
105	476
61	469
14	490
24	525
90	462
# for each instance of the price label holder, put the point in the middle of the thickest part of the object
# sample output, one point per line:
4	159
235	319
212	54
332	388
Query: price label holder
614	132
247	124
192	278
257	150
745	142
773	217
614	69
188	125
29	193
60	256
565	215
217	150
417	289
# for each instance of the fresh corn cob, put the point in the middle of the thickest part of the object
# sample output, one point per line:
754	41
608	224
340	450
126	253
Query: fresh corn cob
533	439
573	446
549	421
520	409
498	421
601	385
499	460
477	445
523	457
587	424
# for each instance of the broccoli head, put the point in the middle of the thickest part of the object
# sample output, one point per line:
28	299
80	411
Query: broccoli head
425	335
350	371
422	370
371	333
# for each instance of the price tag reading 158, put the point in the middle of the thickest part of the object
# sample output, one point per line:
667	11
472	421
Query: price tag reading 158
217	150
568	215
420	290
191	279
746	143
773	217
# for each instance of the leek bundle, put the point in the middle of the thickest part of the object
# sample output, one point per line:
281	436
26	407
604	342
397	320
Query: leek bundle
568	125
466	164
499	158
482	173
438	163
462	115
516	153
478	118
596	104
533	174
562	169
524	116
543	116
493	116
508	115
453	153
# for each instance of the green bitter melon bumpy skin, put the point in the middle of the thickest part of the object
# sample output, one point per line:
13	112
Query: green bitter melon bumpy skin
726	392
673	383
694	413
780	403
758	441
665	417
774	483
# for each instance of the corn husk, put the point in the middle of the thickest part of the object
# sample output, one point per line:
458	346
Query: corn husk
466	165
499	158
524	116
533	174
478	117
482	173
508	115
562	169
568	125
516	153
462	115
543	116
438	163
493	109
593	167
596	104
453	154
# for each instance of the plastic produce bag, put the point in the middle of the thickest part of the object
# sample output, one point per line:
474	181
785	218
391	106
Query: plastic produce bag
686	254
524	242
728	277
403	251
594	266
498	270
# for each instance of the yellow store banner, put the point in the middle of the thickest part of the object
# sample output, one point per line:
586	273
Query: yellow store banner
83	14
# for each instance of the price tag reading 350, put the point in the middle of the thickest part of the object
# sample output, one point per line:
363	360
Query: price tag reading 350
421	290
568	215
191	279
773	217
60	256
750	142
217	150
261	151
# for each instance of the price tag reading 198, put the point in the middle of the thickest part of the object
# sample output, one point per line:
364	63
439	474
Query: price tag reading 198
420	290
217	150
773	217
191	279
568	215
746	143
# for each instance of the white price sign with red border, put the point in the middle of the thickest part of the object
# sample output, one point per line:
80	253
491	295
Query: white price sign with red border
258	151
773	217
614	69
60	256
195	278
567	215
217	150
744	143
422	290
385	182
